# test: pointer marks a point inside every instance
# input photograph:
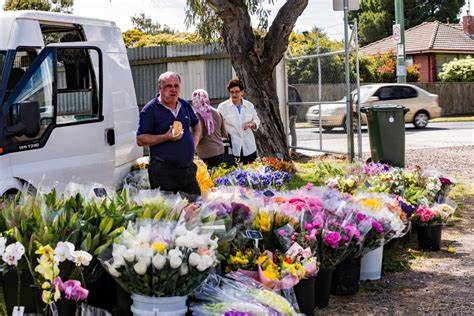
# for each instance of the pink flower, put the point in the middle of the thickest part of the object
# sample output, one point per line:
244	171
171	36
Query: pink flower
377	226
332	239
74	291
313	233
425	213
352	231
281	232
315	204
308	226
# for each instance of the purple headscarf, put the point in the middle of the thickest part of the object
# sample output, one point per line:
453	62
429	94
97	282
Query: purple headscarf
202	106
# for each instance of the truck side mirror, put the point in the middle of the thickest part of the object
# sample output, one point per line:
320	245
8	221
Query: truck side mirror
27	123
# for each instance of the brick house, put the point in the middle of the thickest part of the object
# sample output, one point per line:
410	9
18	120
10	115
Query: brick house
430	45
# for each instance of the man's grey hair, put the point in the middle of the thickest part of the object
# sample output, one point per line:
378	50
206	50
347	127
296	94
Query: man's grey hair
165	76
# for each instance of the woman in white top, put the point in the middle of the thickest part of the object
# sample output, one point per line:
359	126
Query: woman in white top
240	119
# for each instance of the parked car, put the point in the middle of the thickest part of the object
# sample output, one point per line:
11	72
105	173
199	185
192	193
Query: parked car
68	109
422	105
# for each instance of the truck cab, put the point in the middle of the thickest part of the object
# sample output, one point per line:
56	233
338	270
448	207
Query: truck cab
68	109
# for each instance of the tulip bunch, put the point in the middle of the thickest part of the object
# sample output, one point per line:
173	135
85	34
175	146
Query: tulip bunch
156	258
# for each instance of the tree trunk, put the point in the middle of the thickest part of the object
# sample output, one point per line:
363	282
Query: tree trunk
254	62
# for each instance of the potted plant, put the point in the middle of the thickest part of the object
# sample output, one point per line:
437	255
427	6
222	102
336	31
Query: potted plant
429	224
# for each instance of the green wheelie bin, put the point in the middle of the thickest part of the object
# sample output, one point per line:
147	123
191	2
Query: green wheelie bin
386	123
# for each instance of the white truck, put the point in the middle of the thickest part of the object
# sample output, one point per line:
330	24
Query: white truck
67	102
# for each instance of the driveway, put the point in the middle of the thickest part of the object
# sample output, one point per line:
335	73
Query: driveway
436	135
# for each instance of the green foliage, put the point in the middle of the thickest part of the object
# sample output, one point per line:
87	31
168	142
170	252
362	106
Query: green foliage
377	16
136	38
458	70
146	25
40	5
201	14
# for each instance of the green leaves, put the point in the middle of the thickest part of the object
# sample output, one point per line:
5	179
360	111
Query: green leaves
458	70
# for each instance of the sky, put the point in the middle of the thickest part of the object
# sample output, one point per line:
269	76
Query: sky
171	12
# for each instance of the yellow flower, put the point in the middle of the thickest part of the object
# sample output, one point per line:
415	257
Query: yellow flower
202	176
45	250
372	203
261	260
271	272
262	222
238	259
46	297
159	247
46	286
57	294
47	268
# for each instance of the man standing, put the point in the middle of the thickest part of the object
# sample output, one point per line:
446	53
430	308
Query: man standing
170	128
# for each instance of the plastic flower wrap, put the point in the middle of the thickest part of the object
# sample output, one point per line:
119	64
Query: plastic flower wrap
386	213
157	205
236	294
160	258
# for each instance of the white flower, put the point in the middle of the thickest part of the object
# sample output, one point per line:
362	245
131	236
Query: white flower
111	269
184	269
206	262
64	251
13	253
3	242
140	267
181	230
213	243
118	261
194	259
82	258
118	250
129	254
175	253
159	261
144	254
175	262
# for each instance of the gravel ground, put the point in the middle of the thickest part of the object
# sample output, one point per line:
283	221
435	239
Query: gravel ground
435	282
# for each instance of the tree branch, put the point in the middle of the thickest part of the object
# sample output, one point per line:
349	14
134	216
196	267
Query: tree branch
276	40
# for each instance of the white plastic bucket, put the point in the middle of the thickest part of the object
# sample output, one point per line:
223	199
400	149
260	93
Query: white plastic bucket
371	265
162	306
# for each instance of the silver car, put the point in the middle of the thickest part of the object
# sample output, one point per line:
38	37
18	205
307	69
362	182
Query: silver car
421	104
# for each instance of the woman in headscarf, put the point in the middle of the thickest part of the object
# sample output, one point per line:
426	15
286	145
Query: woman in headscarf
210	147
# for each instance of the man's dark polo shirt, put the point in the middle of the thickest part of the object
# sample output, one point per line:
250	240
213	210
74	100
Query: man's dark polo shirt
156	119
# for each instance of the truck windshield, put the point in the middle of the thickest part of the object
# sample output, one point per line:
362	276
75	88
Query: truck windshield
2	63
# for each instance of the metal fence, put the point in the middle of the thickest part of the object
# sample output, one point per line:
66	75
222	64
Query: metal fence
325	113
200	66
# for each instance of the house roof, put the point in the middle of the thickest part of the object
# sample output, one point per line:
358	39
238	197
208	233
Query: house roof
426	37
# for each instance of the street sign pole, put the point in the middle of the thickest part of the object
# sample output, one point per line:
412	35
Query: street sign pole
349	116
400	23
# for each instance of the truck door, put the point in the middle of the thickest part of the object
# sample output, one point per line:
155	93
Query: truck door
70	143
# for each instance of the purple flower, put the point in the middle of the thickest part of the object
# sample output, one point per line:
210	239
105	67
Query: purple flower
360	217
237	313
445	181
352	231
377	226
72	289
406	207
332	239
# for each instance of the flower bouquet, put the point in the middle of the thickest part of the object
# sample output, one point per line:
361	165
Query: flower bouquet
259	179
160	259
429	224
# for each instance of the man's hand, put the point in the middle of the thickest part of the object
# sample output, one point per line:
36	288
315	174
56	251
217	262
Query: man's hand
171	138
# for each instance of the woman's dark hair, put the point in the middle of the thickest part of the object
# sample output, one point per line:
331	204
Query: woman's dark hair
235	83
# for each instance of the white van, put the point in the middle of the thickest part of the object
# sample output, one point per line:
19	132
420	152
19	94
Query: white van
68	109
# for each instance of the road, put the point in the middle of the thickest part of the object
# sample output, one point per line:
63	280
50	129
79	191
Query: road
435	135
